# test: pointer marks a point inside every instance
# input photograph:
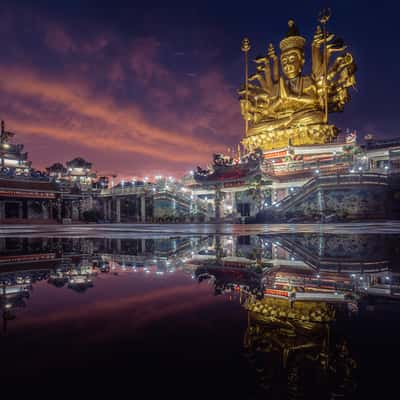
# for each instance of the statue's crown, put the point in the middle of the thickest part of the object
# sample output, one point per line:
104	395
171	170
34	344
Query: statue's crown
292	40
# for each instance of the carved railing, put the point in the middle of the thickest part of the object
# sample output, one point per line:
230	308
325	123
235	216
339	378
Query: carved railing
330	180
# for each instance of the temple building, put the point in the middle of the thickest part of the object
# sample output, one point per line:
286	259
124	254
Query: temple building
25	194
28	195
13	161
80	171
57	171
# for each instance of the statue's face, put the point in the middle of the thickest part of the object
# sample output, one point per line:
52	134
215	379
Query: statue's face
292	63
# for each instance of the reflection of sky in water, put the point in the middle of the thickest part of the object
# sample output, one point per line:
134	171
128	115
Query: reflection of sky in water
175	305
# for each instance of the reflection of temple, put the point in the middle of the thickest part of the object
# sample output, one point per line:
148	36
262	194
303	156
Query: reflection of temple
335	268
346	270
73	263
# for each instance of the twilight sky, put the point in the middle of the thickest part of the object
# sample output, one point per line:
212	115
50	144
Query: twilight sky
151	89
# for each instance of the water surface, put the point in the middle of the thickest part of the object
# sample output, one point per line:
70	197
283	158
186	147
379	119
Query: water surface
247	314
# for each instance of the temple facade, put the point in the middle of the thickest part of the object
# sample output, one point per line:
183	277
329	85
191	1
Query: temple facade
234	188
243	186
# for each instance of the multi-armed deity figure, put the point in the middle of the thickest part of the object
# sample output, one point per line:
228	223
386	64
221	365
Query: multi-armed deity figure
281	105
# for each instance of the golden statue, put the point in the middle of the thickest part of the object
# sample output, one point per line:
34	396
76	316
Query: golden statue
287	107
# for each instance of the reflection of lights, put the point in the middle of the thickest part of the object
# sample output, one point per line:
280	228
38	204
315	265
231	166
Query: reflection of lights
318	276
353	275
361	278
8	305
360	168
387	277
317	171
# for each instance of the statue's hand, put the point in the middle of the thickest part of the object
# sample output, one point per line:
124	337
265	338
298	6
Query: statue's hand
336	45
254	77
260	60
318	38
271	52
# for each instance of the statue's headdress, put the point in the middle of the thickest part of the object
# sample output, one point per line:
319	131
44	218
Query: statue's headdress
292	40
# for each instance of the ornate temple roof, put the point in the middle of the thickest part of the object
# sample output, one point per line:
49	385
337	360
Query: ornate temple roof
79	162
57	167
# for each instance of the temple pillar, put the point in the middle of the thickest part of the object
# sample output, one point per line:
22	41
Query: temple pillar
59	209
28	209
51	209
321	203
217	204
321	245
219	251
67	209
117	210
25	208
75	210
80	209
143	246
234	246
105	209
109	208
234	205
143	208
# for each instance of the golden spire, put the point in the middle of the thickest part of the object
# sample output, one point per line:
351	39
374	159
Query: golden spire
323	18
246	48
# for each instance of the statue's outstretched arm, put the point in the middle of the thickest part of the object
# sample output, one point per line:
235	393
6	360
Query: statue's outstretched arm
265	67
316	54
275	63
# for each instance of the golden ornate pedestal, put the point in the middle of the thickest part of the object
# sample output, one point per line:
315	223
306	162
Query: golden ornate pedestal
278	138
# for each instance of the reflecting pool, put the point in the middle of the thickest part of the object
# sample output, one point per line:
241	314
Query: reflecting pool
279	316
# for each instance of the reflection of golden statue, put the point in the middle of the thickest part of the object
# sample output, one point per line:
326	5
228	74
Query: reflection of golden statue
290	345
290	106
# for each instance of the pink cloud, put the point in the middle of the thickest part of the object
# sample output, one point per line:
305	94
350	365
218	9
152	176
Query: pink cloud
118	97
